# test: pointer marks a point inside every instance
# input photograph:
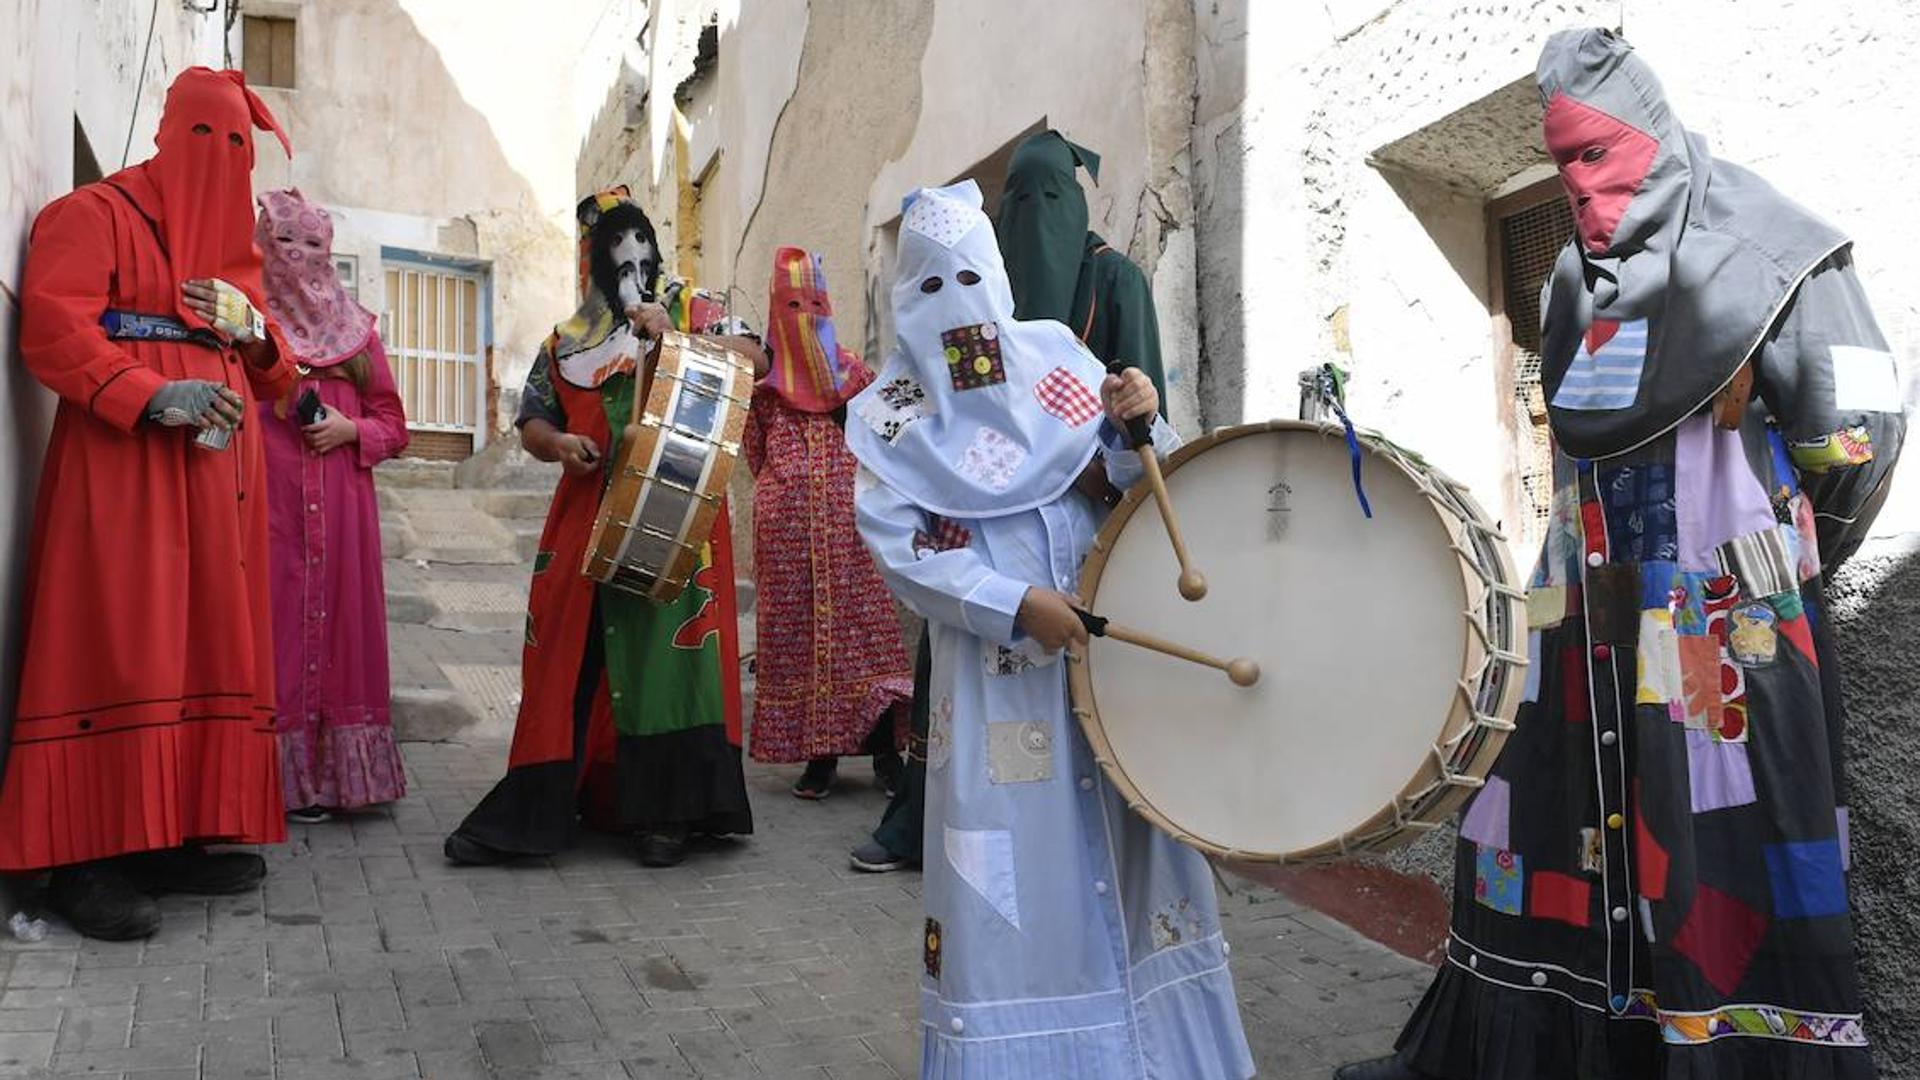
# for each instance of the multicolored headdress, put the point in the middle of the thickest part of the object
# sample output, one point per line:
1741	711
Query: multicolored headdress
811	370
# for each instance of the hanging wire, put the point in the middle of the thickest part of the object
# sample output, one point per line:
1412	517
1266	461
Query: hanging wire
140	87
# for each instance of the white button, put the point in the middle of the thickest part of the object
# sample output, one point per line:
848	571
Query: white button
313	508
1608	738
958	1025
1619	914
1100	887
1539	978
1594	558
1226	948
1474	961
1086	783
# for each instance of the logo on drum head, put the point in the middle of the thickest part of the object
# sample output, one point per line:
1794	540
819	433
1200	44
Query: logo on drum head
1279	510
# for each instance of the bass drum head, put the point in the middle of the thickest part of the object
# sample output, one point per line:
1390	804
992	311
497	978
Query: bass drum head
1358	626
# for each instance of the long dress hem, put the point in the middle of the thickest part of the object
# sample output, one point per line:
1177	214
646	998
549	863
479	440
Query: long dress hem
1471	1027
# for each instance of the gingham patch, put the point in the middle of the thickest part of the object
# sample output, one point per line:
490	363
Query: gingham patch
1065	396
947	535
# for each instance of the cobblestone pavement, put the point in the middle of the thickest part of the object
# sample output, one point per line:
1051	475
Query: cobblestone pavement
367	956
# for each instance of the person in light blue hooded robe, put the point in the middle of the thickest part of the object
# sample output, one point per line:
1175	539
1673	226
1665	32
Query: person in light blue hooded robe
1065	936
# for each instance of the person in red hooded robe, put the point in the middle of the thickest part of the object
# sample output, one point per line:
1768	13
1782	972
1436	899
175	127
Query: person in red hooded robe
144	725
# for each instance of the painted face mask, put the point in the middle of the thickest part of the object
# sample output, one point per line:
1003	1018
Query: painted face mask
618	262
1602	163
631	253
811	371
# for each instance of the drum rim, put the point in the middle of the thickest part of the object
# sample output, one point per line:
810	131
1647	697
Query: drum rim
1391	826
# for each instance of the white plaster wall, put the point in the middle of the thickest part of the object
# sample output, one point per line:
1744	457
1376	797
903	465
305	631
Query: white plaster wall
58	61
760	65
993	68
1806	93
427	128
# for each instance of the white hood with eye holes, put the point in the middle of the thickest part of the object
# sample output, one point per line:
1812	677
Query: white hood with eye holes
975	415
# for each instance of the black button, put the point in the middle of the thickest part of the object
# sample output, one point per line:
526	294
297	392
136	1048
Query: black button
86	725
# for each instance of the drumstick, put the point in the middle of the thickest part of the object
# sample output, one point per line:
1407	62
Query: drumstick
1242	671
1193	584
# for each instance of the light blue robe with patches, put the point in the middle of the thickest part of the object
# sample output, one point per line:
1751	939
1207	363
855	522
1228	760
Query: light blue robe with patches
1075	939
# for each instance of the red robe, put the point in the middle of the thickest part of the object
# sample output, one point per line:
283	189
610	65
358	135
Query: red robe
145	715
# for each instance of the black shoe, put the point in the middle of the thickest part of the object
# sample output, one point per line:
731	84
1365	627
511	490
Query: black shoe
310	815
873	858
196	871
889	772
463	850
97	900
1386	1068
662	849
817	782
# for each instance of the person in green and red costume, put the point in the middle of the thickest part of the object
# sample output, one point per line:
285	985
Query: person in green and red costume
630	711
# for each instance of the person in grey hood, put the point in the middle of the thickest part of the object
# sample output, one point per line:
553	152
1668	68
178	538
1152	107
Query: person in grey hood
1651	885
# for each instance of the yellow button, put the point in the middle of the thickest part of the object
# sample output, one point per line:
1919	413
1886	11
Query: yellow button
982	365
1615	821
953	354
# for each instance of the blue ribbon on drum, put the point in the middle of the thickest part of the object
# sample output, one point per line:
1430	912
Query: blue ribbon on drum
1326	387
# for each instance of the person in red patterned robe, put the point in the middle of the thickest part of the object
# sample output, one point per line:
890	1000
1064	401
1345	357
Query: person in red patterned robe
144	725
832	678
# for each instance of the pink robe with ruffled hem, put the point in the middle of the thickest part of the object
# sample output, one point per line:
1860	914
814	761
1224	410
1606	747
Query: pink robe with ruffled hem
329	598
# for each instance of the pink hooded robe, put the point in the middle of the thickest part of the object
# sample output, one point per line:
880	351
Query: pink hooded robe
329	601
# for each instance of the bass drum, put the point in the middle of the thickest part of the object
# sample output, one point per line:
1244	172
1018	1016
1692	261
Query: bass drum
1391	648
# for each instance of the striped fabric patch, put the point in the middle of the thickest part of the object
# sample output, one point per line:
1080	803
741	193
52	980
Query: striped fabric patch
1605	373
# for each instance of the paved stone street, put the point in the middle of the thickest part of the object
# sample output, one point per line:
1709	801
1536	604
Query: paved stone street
368	956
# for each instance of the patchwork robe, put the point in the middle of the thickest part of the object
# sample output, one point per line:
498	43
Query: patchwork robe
1652	884
1065	936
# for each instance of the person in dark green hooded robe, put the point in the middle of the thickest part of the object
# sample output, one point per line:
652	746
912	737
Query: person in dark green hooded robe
1059	270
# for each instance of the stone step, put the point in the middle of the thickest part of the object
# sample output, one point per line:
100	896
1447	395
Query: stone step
414	473
526	536
510	503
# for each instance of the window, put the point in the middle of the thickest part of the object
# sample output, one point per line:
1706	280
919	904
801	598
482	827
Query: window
434	328
346	269
267	51
1529	229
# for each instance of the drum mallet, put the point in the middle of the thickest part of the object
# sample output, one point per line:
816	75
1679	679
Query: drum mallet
1241	670
1193	585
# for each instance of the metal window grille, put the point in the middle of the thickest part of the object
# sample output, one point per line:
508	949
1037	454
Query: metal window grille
432	328
1530	241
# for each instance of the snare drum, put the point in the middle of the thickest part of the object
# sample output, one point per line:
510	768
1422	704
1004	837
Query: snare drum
1391	648
671	469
